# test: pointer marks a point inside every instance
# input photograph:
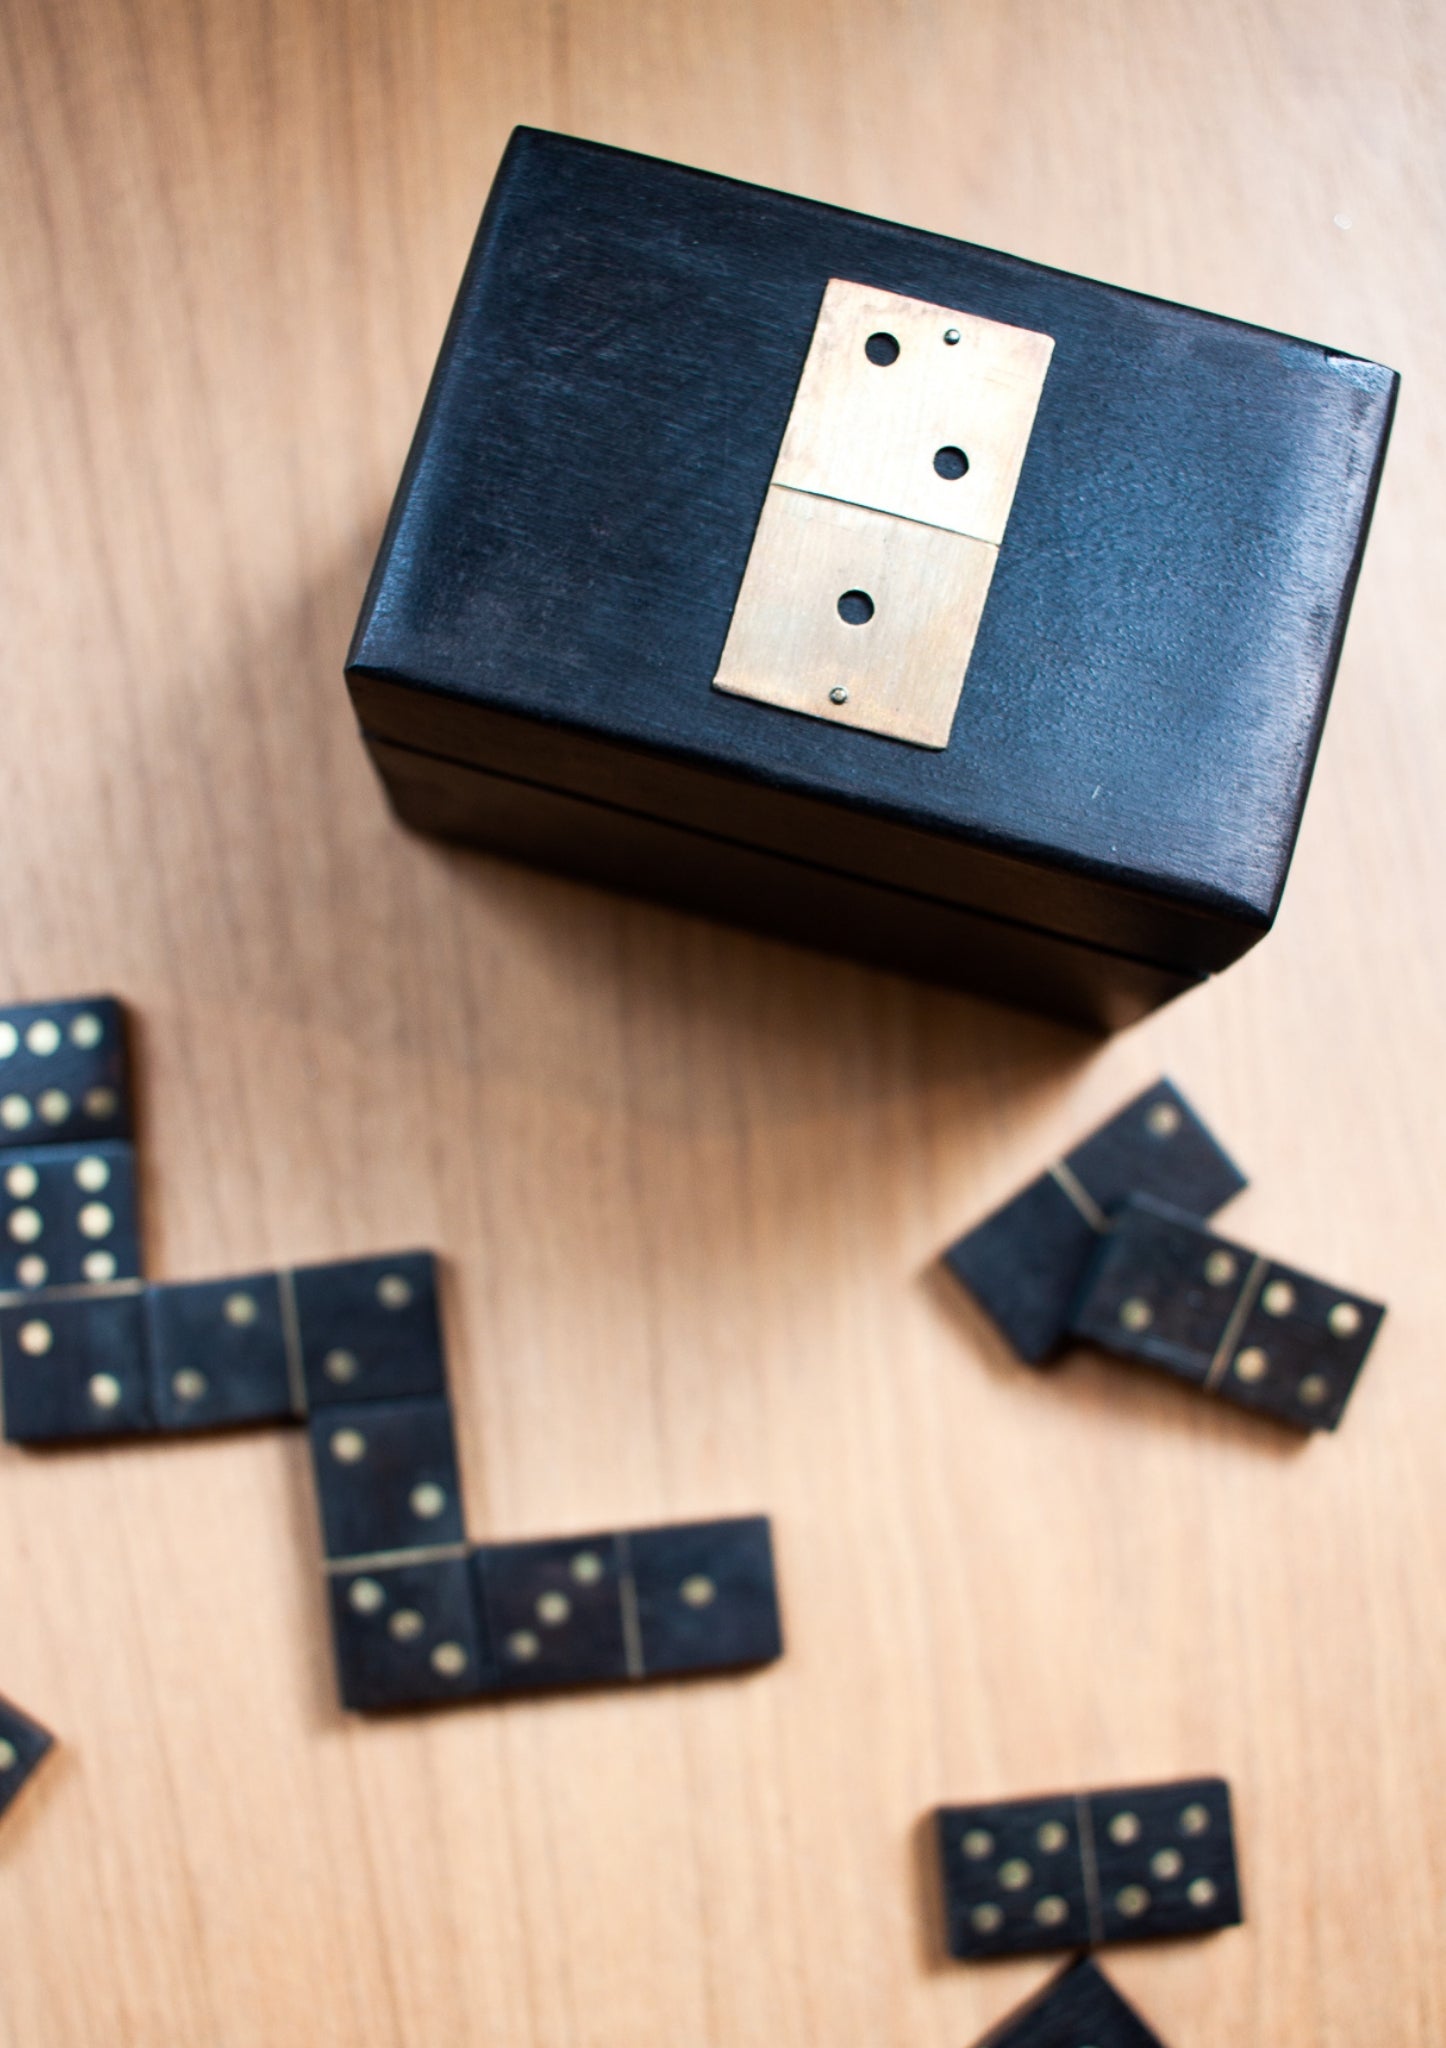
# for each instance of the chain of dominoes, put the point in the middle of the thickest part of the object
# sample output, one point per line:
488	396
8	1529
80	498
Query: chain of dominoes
89	1350
1109	1244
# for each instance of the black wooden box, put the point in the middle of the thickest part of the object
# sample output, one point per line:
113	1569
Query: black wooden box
1113	815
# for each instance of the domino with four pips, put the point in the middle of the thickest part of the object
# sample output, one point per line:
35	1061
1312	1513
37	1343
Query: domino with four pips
23	1745
1164	1291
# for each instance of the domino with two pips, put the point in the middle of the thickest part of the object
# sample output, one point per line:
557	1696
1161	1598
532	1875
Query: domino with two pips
1025	1263
606	1608
1078	1870
126	1358
1080	2008
1166	1292
23	1743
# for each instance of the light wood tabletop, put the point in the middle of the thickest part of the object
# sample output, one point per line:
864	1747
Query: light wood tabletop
689	1186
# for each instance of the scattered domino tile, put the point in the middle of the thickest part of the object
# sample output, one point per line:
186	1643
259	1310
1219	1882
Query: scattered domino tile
63	1077
1167	1292
23	1743
1080	1870
1024	1263
1079	2009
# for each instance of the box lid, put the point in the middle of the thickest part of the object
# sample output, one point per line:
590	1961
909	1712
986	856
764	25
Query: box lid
1138	723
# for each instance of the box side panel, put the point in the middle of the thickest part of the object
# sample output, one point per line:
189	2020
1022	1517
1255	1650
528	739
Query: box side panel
860	842
835	913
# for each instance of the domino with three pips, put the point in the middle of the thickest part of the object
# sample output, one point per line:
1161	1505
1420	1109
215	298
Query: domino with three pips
23	1744
1109	1245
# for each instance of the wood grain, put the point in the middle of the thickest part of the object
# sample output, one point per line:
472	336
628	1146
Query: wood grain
690	1184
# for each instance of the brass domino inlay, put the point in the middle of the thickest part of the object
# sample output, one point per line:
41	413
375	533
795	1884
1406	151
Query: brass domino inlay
873	554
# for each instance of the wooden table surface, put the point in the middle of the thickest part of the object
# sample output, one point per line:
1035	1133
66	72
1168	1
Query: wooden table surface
689	1184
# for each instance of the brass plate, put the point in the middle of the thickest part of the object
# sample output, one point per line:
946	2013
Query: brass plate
868	433
918	416
900	672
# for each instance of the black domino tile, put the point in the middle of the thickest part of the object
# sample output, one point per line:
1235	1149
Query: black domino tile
1013	1877
218	1352
386	1477
1165	1292
68	1216
407	1635
1165	1855
1024	1263
23	1743
369	1330
1080	2008
63	1073
1071	1871
706	1595
554	1611
74	1367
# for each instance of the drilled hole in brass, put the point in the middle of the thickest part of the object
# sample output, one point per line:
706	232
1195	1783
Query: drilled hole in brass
856	607
882	349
